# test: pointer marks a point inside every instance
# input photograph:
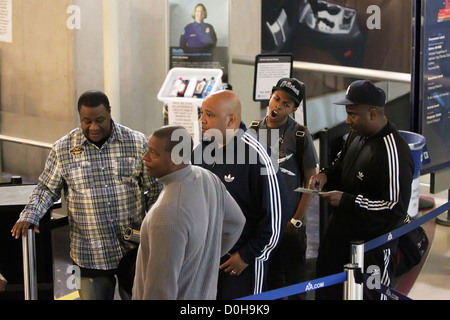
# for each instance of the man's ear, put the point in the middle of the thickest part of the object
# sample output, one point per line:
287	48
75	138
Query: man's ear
231	120
373	112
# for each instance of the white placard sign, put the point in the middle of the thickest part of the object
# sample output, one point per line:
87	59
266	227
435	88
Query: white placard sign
268	70
184	113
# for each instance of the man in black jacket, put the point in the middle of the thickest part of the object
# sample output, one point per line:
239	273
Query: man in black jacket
249	175
369	186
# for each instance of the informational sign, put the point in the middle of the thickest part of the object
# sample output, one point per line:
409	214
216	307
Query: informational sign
6	21
268	70
185	114
199	35
435	83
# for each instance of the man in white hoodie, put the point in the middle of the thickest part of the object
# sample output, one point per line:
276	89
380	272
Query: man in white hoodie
193	223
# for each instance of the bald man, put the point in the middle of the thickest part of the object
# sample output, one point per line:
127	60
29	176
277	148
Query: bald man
245	168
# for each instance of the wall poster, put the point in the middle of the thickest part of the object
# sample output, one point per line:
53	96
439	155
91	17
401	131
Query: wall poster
354	33
366	34
435	82
199	34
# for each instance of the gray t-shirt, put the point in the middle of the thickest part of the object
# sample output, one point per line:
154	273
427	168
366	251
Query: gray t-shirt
290	162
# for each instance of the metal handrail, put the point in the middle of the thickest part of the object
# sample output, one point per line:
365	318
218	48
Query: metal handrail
337	70
26	141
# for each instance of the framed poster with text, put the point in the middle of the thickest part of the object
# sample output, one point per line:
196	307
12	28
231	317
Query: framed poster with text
435	83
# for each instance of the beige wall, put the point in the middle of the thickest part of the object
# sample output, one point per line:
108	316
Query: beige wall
245	40
143	62
36	81
48	66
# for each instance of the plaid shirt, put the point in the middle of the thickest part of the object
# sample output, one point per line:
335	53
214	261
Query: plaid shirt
104	189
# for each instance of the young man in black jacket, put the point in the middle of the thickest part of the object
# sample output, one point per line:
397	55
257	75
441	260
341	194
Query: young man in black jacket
369	186
255	182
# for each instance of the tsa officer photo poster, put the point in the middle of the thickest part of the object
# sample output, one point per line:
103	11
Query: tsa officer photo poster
199	34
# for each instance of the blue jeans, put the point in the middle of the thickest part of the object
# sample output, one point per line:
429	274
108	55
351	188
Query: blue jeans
98	288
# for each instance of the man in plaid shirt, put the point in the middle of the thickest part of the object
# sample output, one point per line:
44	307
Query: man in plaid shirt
99	166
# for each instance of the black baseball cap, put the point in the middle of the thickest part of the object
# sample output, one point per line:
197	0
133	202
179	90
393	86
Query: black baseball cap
363	92
293	87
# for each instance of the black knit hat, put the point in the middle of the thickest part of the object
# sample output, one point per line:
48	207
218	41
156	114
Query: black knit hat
363	92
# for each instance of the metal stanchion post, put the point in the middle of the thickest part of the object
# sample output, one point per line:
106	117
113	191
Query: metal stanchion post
357	255
350	289
29	265
445	222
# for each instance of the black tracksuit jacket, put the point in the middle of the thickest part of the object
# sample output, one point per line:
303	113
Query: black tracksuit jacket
375	175
263	198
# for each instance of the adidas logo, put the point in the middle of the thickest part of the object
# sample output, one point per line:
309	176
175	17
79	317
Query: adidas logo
389	238
360	175
228	178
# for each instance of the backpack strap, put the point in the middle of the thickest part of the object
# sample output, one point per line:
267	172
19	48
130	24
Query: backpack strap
255	125
299	135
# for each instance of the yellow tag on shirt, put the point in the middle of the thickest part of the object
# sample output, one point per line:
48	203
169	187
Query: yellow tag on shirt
77	150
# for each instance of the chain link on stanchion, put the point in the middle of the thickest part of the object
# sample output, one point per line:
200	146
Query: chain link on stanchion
29	265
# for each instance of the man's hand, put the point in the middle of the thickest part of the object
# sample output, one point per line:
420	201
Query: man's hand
234	265
332	197
291	229
20	228
317	181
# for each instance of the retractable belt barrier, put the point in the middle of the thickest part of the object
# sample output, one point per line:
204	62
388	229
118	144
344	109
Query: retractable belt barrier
342	277
299	287
405	229
387	237
31	283
390	293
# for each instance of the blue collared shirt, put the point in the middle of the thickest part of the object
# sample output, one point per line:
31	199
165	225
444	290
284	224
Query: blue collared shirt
198	35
